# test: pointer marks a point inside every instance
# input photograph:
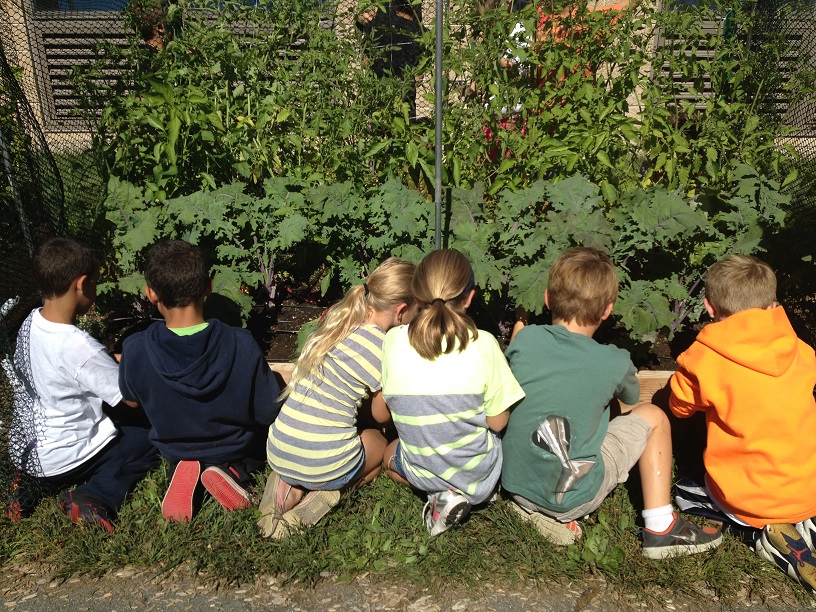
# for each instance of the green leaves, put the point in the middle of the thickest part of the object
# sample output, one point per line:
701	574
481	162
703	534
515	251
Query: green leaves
661	241
289	155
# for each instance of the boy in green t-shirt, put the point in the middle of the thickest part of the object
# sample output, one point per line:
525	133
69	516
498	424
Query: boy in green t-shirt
562	455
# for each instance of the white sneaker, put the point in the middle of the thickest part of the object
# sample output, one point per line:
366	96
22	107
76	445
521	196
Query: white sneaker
445	510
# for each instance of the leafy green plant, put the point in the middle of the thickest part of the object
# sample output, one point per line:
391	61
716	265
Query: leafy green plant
586	91
287	156
599	549
252	238
576	91
241	93
661	241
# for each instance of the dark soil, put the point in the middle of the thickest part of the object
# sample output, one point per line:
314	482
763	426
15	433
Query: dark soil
276	330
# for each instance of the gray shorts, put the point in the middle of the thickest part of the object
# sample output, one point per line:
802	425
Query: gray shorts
622	446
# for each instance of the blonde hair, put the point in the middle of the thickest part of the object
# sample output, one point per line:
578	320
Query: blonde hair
582	284
442	281
740	282
387	286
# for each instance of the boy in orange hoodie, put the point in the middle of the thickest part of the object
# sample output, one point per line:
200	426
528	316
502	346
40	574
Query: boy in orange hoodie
753	379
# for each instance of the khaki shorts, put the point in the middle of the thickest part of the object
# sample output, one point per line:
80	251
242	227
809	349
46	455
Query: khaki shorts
621	449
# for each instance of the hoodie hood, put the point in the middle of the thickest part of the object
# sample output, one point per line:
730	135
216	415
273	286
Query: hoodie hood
762	340
188	363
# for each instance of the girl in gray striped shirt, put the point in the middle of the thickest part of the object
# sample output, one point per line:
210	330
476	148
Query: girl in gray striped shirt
314	446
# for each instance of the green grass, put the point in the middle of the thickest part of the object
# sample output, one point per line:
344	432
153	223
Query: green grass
379	530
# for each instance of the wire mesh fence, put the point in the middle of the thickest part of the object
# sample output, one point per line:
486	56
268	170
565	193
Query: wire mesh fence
31	210
58	53
796	22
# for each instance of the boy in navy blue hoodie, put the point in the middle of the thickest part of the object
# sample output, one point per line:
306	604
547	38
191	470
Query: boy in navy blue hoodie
206	387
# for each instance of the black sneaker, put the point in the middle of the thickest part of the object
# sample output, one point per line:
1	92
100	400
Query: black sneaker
745	534
681	538
783	545
79	507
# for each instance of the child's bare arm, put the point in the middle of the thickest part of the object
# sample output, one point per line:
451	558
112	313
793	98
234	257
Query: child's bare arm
522	319
498	422
379	409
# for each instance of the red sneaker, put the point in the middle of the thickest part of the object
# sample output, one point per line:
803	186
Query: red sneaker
223	486
177	505
80	507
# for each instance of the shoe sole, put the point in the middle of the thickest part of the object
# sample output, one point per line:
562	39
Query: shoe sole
270	516
553	531
450	517
314	506
177	505
225	490
779	543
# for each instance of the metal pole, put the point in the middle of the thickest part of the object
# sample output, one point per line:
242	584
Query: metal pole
440	12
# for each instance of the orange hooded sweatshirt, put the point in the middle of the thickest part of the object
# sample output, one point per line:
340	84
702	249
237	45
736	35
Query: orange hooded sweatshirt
754	380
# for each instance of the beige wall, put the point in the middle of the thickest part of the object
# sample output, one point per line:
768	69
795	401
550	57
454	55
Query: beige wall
15	35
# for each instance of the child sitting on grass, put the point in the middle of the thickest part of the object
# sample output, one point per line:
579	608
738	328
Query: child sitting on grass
753	379
206	387
563	456
60	433
448	389
315	447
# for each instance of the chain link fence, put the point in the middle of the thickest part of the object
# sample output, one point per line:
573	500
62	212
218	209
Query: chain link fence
51	183
796	21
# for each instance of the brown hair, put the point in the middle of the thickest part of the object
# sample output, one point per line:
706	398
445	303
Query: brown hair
740	282
442	281
387	286
582	283
178	273
59	262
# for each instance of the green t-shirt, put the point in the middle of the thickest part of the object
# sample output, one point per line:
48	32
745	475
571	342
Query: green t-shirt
552	446
189	331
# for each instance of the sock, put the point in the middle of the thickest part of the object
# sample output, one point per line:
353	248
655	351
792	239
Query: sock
658	519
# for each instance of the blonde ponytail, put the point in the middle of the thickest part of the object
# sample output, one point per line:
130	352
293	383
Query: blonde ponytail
388	285
441	284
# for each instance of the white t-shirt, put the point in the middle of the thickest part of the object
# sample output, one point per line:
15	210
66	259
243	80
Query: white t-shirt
73	375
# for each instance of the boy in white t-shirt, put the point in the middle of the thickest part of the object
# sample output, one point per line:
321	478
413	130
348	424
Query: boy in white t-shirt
60	434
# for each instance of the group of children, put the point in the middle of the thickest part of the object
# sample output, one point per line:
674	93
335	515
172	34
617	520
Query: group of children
400	348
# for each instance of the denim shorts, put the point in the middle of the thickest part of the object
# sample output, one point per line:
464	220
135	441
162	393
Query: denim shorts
337	484
396	462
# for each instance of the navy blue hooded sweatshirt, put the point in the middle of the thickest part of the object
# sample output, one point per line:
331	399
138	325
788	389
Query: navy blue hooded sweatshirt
209	396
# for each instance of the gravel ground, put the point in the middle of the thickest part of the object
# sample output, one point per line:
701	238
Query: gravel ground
30	588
